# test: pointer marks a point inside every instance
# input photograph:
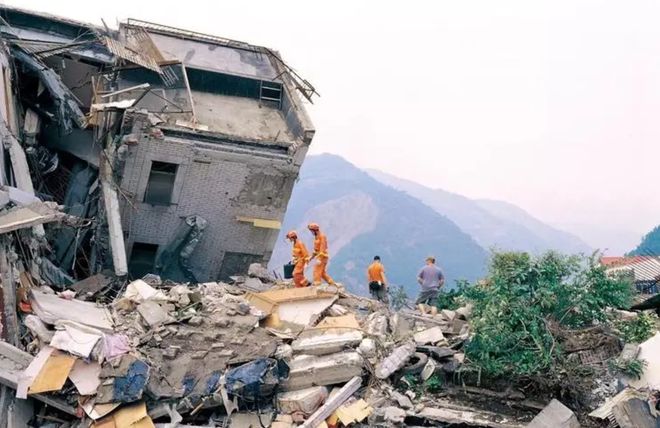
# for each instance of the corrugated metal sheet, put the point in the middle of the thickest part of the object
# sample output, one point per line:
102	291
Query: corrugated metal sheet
124	51
35	47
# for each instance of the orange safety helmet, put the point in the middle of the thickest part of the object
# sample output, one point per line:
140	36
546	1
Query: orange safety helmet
292	235
313	226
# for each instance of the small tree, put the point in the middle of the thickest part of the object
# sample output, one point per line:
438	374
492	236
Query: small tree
398	297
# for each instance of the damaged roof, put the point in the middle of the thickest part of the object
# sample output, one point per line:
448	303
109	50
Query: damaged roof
206	52
198	83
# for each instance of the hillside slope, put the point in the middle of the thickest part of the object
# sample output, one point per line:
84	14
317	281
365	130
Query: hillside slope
650	245
493	224
364	217
551	237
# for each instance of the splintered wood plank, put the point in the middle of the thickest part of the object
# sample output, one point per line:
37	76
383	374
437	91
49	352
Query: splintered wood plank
133	416
53	374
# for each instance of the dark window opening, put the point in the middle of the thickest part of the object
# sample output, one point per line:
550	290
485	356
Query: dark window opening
237	264
271	93
143	259
161	183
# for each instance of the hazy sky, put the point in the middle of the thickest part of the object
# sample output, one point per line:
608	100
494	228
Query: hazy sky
551	105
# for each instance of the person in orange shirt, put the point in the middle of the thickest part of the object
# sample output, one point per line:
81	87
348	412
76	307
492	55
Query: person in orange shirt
377	281
321	254
300	259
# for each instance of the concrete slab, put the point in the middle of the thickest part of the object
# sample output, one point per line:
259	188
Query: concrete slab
322	342
154	314
649	352
305	400
241	117
292	305
634	413
393	362
431	335
555	415
51	308
474	418
249	420
333	403
307	370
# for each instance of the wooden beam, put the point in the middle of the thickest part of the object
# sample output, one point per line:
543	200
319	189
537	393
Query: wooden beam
333	403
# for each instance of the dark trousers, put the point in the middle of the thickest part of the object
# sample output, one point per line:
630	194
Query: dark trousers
378	292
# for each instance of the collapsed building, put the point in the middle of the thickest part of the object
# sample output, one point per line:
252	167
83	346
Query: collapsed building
180	149
153	150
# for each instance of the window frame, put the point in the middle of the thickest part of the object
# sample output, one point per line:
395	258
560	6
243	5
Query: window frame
152	172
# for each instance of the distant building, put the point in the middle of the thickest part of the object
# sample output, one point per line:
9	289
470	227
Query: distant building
184	146
643	270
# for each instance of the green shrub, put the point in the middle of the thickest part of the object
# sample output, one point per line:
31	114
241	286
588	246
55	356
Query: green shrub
522	295
631	368
434	383
454	298
637	330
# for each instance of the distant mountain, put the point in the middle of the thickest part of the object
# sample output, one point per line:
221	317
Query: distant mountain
551	237
613	240
363	217
650	245
493	224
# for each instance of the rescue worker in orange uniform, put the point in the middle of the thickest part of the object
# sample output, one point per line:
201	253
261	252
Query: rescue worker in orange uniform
377	281
300	259
321	254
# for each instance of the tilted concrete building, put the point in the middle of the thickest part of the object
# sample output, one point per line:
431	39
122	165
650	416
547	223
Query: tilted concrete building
231	157
184	146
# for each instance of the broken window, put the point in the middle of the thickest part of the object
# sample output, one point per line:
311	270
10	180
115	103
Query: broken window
143	259
161	183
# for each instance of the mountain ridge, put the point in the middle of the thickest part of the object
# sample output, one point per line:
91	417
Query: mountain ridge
379	220
492	223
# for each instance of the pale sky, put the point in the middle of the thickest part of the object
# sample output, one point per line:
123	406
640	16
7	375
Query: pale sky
551	105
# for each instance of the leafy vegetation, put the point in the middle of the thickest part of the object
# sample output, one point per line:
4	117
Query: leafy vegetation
398	297
434	383
523	296
632	368
650	245
412	382
454	298
638	329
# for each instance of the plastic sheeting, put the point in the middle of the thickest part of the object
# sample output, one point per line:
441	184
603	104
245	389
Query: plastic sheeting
256	379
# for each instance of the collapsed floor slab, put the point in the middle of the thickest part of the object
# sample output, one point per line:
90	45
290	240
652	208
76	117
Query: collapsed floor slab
307	371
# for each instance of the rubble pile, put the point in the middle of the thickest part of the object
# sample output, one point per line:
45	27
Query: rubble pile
255	352
223	354
95	122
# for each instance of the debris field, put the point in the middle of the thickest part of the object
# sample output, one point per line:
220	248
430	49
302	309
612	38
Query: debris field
101	129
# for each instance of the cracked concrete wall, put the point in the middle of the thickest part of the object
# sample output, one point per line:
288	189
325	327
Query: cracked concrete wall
214	182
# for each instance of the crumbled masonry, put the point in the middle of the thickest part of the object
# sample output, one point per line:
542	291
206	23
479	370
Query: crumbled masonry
219	353
144	174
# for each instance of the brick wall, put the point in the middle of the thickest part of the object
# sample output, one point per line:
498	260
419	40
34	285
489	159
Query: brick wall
214	182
